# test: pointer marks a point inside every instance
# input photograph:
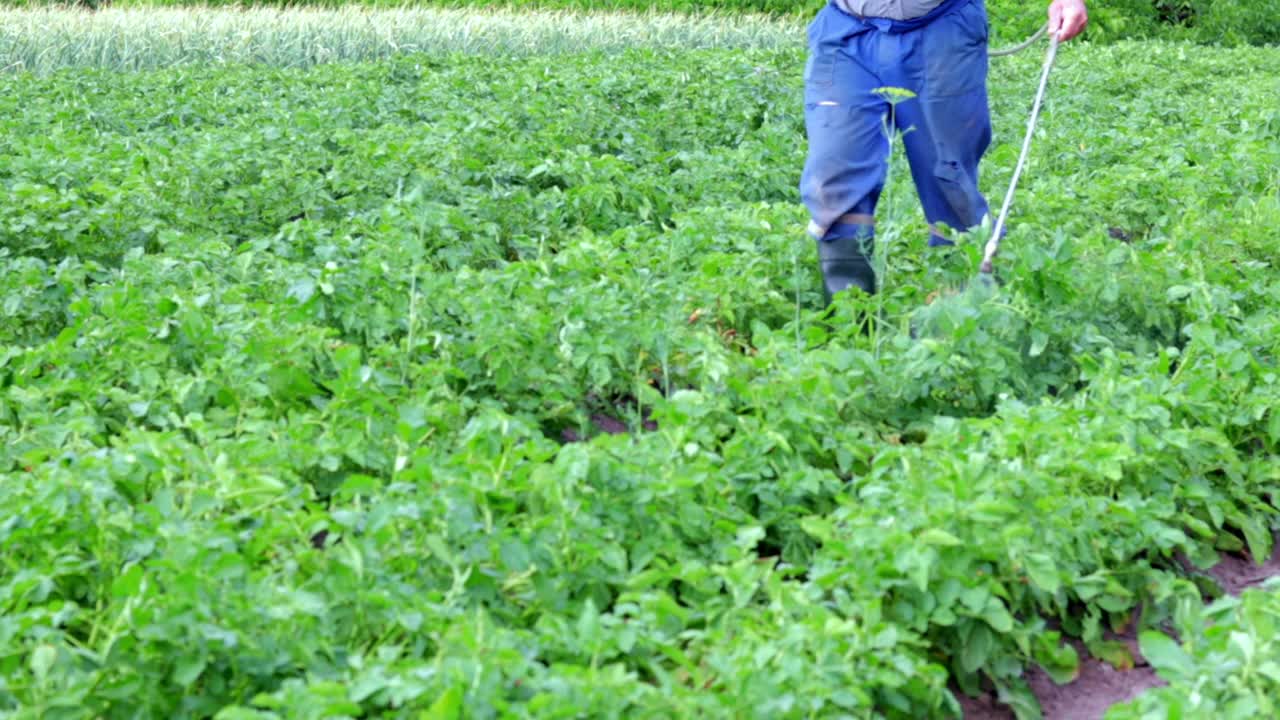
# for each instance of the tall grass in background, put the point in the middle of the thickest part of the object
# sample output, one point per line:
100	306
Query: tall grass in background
135	34
43	40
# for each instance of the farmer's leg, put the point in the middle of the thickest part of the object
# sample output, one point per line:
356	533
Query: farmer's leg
950	121
848	150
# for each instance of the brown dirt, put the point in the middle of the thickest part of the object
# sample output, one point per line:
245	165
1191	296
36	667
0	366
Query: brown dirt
984	707
609	424
320	540
601	423
1120	234
1237	573
1098	686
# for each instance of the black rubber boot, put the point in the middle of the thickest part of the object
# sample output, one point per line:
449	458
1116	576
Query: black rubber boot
846	263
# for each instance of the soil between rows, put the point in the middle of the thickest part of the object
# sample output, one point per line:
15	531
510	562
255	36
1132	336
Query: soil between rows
1100	685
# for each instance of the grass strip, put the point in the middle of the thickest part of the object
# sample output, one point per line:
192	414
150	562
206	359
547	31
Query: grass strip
44	40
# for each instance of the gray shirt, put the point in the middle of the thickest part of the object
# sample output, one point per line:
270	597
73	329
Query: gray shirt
892	9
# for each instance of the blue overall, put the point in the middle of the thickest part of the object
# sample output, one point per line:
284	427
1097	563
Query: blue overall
942	58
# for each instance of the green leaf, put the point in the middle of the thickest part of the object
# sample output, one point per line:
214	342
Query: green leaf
1113	652
997	616
920	566
936	536
1039	341
42	660
128	583
1166	656
975	599
977	647
1058	659
187	670
1246	645
446	707
1016	694
1043	571
1258	538
589	629
302	290
239	712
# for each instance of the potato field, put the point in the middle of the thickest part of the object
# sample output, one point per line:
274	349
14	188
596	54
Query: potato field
482	372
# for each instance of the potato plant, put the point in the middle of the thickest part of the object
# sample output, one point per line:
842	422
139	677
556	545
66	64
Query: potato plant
448	386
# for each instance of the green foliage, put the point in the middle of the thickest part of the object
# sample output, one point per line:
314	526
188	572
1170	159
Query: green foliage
303	373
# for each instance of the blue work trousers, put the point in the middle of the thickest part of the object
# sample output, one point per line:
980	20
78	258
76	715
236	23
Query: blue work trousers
942	59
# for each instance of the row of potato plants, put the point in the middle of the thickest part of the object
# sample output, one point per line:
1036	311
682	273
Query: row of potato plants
303	375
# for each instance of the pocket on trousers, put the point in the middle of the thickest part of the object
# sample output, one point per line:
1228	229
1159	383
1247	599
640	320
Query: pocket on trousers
820	70
955	47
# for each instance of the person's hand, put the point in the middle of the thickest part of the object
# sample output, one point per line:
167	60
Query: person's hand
1067	18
